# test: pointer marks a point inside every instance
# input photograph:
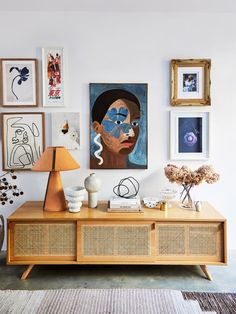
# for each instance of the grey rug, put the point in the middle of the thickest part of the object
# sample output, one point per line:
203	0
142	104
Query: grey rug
97	301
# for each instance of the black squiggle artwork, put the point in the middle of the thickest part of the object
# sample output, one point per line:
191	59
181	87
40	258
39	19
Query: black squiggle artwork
22	147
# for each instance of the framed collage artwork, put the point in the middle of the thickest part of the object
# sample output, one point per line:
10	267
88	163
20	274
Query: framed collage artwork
19	82
22	139
118	126
66	129
189	135
53	77
190	82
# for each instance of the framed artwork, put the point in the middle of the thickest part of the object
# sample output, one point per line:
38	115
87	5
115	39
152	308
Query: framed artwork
190	82
53	77
118	126
66	129
189	135
19	82
23	139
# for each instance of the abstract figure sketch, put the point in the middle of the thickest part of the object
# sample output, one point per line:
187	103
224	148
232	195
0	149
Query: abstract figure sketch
23	139
118	126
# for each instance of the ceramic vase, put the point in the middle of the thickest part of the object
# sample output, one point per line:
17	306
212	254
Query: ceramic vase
1	231
92	185
74	196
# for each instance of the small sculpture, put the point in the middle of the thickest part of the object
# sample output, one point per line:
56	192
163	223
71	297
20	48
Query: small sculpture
127	188
8	190
92	185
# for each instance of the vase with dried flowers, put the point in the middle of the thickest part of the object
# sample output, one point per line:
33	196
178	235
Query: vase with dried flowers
188	179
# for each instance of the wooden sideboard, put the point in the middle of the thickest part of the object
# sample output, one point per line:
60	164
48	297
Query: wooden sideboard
94	236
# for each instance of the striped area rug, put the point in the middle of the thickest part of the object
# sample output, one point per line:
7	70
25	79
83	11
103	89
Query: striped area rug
97	301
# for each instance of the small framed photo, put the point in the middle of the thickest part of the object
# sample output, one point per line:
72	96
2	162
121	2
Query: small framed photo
19	82
22	139
53	77
66	129
190	82
189	135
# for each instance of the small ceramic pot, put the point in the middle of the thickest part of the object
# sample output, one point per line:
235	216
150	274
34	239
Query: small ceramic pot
74	195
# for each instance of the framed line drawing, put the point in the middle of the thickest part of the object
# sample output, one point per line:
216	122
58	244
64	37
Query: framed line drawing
22	139
190	82
19	82
189	135
118	126
53	77
66	129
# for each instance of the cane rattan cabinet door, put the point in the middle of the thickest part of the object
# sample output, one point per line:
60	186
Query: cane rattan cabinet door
203	242
36	241
116	241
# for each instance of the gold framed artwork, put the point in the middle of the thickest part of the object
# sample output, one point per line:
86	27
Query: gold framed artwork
19	82
190	82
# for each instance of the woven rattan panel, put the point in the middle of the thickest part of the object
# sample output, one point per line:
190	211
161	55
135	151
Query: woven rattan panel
203	240
171	239
116	240
37	239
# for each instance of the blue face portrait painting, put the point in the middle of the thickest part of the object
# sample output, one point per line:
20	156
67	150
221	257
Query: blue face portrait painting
116	118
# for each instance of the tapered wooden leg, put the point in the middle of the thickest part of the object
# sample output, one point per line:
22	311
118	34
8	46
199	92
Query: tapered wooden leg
206	272
27	272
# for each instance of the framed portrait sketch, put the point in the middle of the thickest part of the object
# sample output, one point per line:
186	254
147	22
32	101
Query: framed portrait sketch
53	77
19	82
66	129
23	139
189	135
190	82
118	126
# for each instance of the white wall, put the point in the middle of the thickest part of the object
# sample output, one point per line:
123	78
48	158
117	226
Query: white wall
136	47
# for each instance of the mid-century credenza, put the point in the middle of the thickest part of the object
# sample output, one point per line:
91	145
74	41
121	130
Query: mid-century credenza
94	236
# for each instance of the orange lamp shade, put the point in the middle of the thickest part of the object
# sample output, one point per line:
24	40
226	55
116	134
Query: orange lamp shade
55	159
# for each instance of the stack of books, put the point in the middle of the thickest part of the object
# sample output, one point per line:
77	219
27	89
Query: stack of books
125	205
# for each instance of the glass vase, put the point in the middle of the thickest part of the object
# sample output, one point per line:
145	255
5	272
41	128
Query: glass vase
1	231
185	197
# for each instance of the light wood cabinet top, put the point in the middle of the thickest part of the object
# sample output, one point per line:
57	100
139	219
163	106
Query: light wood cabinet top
34	211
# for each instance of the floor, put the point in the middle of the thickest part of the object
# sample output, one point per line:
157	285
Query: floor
186	278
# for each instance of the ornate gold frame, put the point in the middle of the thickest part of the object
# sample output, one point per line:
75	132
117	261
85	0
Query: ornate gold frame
206	65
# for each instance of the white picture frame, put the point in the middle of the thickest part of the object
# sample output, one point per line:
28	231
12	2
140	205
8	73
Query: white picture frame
66	129
19	82
189	135
23	139
53	72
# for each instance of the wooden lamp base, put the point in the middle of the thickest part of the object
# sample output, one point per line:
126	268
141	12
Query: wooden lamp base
55	198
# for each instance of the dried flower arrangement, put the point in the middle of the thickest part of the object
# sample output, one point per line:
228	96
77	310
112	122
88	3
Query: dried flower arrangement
187	178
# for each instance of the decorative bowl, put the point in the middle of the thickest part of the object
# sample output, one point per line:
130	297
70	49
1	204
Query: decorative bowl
151	202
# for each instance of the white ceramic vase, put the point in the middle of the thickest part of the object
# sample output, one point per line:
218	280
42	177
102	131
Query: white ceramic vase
74	196
92	185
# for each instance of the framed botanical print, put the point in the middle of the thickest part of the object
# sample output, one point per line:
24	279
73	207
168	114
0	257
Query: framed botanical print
66	129
19	82
118	126
189	135
22	139
190	82
53	77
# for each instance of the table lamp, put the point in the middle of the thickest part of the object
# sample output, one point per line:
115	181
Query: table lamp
55	159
